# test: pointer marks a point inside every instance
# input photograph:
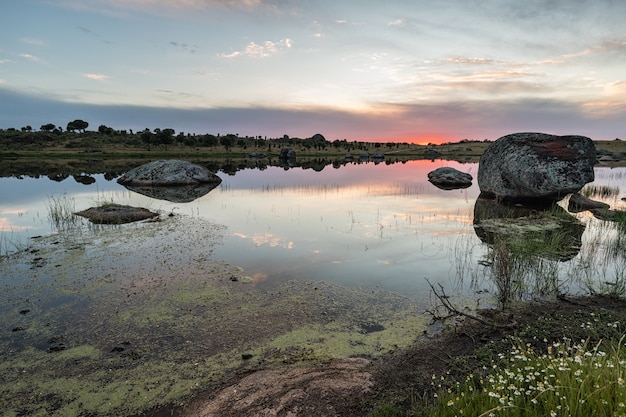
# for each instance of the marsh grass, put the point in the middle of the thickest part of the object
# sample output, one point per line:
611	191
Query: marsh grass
523	267
9	243
565	379
602	191
606	255
61	210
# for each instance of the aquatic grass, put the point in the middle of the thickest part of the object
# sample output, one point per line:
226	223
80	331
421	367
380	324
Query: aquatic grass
523	267
61	210
566	379
9	244
602	191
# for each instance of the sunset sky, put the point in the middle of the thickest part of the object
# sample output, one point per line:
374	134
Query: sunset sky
415	71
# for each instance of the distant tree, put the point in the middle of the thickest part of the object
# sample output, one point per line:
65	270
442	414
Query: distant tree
146	137
210	141
49	127
27	128
77	125
318	137
165	136
226	141
105	130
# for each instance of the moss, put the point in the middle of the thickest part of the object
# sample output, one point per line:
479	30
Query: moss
153	326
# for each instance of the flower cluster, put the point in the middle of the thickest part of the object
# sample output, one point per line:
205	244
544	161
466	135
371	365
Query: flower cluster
568	379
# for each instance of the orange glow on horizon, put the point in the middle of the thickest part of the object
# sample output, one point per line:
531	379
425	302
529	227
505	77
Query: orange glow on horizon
414	139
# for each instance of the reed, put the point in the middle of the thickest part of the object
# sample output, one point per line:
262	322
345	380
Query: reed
523	267
61	210
602	191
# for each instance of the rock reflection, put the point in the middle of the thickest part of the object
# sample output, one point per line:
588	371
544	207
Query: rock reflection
548	232
176	194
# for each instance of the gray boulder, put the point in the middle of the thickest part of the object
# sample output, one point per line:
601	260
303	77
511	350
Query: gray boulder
536	167
169	173
448	178
172	180
116	214
432	153
287	154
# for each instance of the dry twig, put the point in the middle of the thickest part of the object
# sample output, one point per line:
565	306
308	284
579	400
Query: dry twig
453	311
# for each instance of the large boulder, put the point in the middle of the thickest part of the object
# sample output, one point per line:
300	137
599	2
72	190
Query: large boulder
172	180
536	167
169	173
448	178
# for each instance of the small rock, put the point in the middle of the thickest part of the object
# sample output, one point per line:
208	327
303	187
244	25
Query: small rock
448	178
116	214
578	203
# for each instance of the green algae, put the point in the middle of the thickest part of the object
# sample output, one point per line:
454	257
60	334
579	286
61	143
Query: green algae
155	325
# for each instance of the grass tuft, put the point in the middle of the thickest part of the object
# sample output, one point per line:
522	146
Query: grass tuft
61	210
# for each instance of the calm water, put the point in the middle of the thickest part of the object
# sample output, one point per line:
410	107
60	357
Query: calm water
115	320
362	225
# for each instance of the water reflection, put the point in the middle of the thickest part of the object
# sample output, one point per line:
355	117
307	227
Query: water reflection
361	224
550	232
177	194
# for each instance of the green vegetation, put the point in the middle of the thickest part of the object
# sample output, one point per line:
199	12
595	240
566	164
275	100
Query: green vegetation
61	210
567	378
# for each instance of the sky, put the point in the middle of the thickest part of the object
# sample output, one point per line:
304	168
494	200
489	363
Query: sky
409	71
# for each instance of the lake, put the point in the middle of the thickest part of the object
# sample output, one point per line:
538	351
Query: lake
275	264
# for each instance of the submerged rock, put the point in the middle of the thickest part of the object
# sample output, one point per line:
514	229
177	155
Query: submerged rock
448	178
536	166
578	203
618	216
116	214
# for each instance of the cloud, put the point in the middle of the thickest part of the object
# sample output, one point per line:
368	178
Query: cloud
470	61
265	50
29	57
433	120
183	47
97	77
31	41
119	8
397	22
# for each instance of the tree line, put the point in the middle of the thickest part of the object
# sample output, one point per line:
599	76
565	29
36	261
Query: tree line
76	135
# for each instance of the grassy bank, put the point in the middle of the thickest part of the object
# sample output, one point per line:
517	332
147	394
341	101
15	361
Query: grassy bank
560	358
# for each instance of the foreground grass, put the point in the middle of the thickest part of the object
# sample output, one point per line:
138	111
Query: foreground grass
561	358
567	379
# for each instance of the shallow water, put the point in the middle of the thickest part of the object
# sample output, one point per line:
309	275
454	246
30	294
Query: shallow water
282	265
365	225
